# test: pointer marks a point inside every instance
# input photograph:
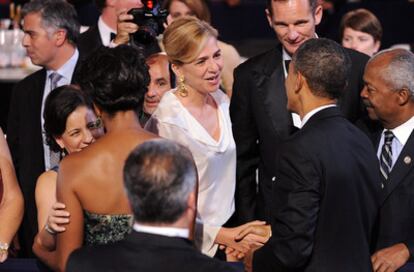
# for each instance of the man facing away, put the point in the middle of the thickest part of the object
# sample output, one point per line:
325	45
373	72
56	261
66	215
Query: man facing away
258	105
51	30
161	183
325	195
388	95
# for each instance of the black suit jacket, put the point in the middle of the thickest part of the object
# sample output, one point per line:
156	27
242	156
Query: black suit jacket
261	122
24	137
89	41
325	199
145	252
396	219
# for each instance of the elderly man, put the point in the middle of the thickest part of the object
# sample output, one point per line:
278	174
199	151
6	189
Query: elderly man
388	95
258	105
51	31
160	181
325	195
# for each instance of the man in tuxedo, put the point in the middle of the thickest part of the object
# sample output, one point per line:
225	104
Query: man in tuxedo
113	12
388	95
51	30
161	183
325	195
258	105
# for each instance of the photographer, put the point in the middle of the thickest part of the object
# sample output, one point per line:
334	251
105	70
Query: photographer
106	28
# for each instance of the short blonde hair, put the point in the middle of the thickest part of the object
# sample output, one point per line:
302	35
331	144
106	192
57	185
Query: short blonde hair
185	38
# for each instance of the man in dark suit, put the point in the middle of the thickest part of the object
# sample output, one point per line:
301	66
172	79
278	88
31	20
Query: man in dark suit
161	182
258	105
325	195
105	30
51	30
388	95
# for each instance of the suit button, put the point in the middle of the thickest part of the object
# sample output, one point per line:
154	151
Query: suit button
273	178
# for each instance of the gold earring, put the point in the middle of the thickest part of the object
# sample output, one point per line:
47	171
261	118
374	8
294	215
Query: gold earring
182	90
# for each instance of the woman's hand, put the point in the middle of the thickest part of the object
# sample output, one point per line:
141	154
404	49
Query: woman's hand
58	217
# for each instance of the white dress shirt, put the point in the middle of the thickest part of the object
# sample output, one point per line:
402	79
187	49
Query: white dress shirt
164	231
401	133
66	71
105	32
215	160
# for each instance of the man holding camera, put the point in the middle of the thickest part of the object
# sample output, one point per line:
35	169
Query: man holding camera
107	28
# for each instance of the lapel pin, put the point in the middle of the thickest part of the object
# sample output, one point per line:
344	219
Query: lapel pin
407	160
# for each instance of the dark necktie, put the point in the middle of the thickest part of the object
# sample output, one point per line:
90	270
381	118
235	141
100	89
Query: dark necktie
386	154
287	62
113	35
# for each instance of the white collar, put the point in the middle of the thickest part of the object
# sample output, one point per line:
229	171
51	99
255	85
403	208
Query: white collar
105	31
67	69
164	231
403	131
313	112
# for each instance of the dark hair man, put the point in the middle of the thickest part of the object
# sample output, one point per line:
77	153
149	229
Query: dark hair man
161	183
258	106
51	31
325	195
388	95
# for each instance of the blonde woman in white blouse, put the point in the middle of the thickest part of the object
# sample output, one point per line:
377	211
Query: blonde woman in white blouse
196	115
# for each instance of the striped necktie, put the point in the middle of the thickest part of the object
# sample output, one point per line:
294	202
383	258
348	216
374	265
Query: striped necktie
386	154
54	157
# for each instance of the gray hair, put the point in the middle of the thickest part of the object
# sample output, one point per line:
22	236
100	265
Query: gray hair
399	71
159	176
325	65
55	14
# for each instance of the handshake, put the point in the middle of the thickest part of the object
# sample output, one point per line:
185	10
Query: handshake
240	242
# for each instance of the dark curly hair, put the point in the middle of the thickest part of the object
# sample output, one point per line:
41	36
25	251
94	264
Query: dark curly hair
115	78
60	103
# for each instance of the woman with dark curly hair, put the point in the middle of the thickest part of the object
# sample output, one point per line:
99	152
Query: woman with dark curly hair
70	126
90	183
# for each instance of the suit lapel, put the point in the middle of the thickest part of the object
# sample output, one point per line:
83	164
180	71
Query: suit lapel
402	166
270	85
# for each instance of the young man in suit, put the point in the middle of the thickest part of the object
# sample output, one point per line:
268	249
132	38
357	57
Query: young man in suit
388	95
325	195
51	31
258	106
161	183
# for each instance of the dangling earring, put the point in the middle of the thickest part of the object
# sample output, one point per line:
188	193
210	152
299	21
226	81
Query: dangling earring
182	90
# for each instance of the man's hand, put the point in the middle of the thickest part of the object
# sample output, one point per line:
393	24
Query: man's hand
390	259
125	26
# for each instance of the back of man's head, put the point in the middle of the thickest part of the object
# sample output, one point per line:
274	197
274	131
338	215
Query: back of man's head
159	176
325	65
396	68
55	14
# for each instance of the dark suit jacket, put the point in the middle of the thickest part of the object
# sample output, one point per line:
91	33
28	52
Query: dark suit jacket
145	252
24	137
396	219
89	41
325	199
261	122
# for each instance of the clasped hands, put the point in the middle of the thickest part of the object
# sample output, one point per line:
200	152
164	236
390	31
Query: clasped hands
239	241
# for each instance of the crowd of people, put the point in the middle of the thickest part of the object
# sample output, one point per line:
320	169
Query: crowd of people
172	155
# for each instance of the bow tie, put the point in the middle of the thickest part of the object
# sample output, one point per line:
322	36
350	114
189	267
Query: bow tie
113	35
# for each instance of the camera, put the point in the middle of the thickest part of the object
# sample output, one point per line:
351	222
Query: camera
150	19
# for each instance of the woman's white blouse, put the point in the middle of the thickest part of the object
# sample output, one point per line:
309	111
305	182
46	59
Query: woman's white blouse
215	160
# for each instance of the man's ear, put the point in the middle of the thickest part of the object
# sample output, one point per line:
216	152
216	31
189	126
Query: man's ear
300	80
318	14
61	36
403	96
269	18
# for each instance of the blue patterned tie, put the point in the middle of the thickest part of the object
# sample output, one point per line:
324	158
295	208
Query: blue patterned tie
386	154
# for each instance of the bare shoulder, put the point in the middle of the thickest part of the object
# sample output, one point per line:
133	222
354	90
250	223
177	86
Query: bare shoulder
46	184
